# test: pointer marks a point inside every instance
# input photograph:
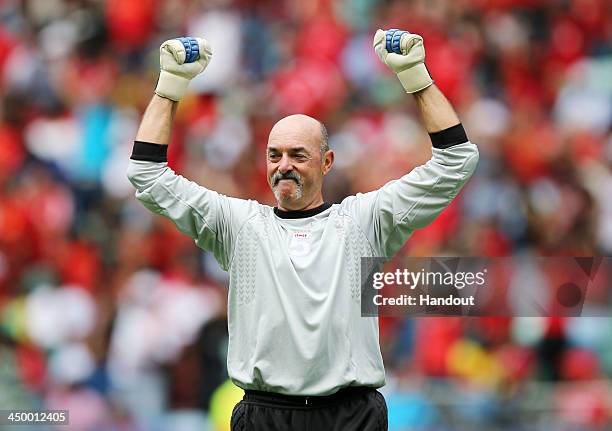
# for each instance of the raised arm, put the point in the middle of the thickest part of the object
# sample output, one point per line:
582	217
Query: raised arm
181	60
436	111
156	124
206	216
390	215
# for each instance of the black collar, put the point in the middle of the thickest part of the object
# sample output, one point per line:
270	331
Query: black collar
301	214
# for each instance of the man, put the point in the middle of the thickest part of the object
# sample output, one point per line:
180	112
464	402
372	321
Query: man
297	342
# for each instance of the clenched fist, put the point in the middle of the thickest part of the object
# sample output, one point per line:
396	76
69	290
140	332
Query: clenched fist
404	53
180	61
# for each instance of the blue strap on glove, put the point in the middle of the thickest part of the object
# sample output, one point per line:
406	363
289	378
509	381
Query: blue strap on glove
393	37
192	49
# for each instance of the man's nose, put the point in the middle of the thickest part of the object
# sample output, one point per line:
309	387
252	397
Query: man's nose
285	165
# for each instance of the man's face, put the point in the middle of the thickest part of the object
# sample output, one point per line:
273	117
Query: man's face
295	165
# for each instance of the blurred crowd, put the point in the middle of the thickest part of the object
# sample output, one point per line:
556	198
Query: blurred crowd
112	313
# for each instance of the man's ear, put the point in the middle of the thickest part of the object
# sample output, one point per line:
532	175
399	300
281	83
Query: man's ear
328	161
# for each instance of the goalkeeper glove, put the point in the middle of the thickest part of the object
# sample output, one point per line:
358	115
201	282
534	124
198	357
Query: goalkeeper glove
404	53
180	61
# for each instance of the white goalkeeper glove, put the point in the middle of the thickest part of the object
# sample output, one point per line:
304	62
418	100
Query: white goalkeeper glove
404	53
180	61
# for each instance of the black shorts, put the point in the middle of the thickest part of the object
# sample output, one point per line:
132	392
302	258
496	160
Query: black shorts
350	409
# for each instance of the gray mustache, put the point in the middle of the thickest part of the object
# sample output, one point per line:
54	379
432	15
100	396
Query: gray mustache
291	175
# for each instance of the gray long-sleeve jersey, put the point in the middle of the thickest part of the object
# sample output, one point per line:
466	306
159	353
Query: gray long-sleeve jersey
294	314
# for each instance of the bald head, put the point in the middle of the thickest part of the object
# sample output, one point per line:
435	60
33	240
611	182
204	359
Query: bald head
304	128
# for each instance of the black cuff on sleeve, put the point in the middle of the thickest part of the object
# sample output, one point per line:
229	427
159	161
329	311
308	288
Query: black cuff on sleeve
149	152
449	137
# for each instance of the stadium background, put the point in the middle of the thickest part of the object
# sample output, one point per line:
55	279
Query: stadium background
112	313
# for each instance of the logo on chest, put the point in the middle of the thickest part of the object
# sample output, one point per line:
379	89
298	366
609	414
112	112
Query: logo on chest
300	243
